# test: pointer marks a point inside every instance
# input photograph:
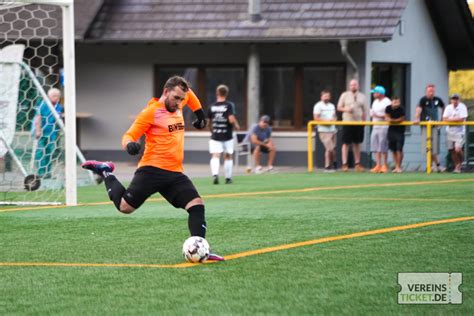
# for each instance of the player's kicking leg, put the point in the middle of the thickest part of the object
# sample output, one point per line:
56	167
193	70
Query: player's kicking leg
197	222
180	192
115	189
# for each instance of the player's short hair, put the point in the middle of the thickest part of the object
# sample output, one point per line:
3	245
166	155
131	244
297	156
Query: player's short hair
222	90
325	91
395	97
176	81
430	85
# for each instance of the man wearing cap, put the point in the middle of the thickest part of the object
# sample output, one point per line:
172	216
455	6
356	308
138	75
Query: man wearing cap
428	110
456	111
379	139
353	105
260	137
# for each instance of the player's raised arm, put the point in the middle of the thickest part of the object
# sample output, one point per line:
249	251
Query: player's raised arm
141	124
195	105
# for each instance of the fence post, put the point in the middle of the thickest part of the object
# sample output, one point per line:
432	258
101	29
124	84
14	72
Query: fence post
310	147
429	146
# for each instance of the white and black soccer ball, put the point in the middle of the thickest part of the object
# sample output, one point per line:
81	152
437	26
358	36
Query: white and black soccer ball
196	249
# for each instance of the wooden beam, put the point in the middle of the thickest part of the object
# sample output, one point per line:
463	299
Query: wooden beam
298	114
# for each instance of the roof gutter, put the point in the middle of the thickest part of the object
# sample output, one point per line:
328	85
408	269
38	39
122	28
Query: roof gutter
345	53
219	40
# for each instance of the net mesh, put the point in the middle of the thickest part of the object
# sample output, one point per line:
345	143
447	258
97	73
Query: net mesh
32	169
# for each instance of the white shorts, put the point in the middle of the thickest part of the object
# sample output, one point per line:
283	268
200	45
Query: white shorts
218	147
379	140
454	140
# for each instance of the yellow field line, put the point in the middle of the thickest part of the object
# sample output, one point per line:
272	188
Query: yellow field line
95	265
341	187
244	194
348	236
245	253
350	198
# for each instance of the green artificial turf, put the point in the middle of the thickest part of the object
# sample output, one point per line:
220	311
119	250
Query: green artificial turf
352	276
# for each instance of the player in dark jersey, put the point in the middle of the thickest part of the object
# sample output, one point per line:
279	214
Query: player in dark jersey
222	115
429	109
395	113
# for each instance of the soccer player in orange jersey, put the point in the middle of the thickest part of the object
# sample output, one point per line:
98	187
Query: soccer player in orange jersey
161	167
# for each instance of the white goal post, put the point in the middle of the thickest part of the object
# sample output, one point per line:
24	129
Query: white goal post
68	51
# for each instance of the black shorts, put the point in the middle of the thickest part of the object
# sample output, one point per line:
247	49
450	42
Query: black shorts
175	187
264	150
352	134
396	141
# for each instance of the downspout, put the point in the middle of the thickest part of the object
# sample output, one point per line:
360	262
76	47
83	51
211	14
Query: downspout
349	58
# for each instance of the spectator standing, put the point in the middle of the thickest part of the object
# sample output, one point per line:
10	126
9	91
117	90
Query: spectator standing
456	111
324	110
353	105
46	132
394	114
378	138
428	109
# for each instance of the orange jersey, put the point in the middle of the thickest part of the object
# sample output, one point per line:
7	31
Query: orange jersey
164	131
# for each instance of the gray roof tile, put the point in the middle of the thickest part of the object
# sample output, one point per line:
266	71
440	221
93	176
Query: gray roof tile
228	20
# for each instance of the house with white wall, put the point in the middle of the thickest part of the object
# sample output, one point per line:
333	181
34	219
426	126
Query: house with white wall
276	56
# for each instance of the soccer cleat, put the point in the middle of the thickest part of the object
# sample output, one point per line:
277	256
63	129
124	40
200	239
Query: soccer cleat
216	180
98	167
384	169
259	170
375	169
359	168
345	168
329	170
228	181
214	257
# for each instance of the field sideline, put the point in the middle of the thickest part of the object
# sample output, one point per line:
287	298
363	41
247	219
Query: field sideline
300	243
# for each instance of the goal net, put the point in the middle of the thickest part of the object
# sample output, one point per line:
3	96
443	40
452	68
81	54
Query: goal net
32	132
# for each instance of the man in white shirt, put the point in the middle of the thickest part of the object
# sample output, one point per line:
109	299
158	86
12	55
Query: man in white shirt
456	111
326	111
379	137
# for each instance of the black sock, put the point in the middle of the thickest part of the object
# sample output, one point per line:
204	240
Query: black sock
196	221
115	189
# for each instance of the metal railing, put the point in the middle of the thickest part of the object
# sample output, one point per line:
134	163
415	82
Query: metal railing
429	125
